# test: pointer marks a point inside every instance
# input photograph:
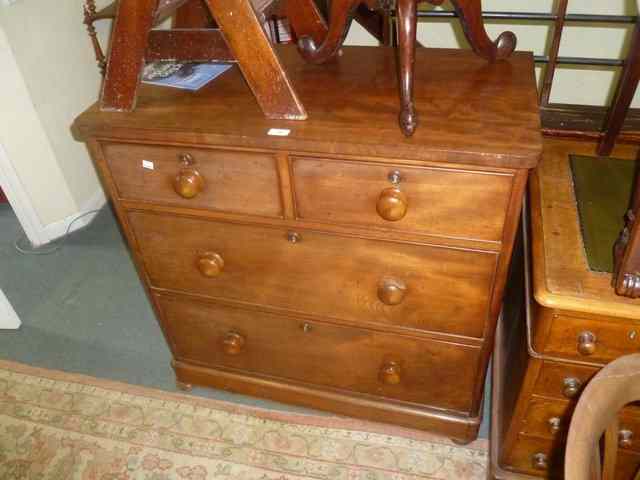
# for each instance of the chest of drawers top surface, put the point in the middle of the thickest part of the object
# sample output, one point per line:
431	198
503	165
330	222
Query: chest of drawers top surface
471	112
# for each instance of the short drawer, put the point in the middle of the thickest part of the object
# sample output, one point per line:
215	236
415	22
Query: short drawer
591	340
214	179
562	380
550	419
358	280
545	458
439	374
444	202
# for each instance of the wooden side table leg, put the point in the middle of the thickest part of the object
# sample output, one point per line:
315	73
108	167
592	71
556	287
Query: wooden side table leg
624	95
257	60
407	26
126	59
470	12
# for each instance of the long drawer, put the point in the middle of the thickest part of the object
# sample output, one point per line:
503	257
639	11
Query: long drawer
213	179
434	373
363	281
450	202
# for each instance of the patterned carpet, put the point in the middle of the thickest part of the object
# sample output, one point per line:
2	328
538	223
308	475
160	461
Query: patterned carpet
61	426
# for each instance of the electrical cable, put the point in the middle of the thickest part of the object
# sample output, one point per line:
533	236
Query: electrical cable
58	243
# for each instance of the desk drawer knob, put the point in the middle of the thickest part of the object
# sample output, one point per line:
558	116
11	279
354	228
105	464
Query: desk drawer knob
392	204
571	387
539	461
233	343
188	182
210	264
554	425
391	291
625	438
390	373
586	343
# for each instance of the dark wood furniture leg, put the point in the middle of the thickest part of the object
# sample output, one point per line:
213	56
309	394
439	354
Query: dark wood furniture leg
258	62
129	42
470	12
626	277
624	95
407	27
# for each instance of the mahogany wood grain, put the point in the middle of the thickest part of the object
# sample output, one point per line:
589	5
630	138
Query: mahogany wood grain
193	14
440	201
193	45
130	32
242	182
321	354
447	290
470	98
259	63
611	339
461	428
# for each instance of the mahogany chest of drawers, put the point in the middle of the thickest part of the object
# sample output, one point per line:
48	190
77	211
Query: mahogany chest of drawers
572	325
331	263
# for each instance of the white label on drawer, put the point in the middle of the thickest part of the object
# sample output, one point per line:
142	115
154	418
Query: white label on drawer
279	132
147	164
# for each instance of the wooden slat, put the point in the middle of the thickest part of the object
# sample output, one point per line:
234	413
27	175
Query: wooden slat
550	71
193	45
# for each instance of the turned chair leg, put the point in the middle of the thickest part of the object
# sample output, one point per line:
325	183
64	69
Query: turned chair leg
257	60
624	95
470	13
407	26
126	59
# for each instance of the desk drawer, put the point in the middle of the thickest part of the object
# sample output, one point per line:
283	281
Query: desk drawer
435	373
439	201
358	280
231	181
591	340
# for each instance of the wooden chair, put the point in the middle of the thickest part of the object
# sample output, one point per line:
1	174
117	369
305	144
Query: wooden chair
596	414
320	40
134	42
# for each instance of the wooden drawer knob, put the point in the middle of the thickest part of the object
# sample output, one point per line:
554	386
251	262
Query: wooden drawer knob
210	264
571	387
625	438
391	291
539	461
554	425
586	343
392	204
390	373
233	343
188	182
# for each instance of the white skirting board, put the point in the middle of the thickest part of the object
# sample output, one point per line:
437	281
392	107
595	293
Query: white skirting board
8	316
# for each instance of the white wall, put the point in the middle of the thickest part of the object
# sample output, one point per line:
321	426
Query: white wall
47	54
572	85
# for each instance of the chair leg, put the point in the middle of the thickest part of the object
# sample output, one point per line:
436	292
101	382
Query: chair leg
470	12
257	60
407	25
624	95
128	45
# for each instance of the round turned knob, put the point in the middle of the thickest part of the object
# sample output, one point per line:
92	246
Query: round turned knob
189	182
625	438
539	461
391	291
586	343
210	264
233	343
390	373
571	387
392	204
554	425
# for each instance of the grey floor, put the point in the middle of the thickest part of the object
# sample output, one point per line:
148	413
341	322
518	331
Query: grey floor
84	310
